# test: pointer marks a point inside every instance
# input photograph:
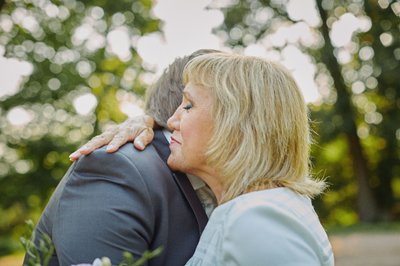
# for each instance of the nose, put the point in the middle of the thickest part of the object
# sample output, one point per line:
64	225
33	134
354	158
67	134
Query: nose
173	121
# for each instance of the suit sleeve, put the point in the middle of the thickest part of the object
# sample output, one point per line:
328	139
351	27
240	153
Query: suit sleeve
103	210
45	223
266	235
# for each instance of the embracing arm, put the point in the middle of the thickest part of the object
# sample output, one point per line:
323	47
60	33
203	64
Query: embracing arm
138	129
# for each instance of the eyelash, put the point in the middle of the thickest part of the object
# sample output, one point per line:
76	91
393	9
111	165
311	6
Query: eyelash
187	107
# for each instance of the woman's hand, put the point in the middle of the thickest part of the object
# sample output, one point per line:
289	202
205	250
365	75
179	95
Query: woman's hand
138	129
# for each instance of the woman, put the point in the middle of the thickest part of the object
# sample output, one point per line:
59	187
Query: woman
243	128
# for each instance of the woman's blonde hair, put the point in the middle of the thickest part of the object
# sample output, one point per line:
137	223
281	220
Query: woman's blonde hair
261	130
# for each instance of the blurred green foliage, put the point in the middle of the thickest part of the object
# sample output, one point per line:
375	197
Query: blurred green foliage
66	43
357	130
356	124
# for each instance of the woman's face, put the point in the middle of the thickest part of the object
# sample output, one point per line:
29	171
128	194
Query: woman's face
192	125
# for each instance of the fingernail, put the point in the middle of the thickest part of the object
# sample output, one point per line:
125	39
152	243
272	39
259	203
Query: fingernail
110	147
73	156
139	144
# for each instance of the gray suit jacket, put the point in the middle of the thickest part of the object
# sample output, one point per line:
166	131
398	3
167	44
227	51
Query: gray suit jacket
126	201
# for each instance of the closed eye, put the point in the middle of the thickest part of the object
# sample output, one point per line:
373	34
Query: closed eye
187	106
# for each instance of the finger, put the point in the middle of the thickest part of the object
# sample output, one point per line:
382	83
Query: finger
94	143
84	150
74	156
118	140
144	138
87	148
128	131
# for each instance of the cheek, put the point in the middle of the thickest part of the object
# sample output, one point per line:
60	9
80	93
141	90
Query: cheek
197	136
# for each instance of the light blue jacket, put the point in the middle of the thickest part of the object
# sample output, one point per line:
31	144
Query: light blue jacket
270	227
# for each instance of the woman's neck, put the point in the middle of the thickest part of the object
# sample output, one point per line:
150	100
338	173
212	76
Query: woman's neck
213	180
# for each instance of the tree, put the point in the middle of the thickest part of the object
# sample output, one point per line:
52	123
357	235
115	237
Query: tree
384	40
357	116
367	207
68	44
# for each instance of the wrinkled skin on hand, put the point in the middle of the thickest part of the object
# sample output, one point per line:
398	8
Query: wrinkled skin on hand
138	129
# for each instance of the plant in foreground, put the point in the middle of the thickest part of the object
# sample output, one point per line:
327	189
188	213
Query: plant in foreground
40	255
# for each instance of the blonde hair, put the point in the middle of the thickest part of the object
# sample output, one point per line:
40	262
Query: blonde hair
261	131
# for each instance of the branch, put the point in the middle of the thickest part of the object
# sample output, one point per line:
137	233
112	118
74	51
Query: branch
2	3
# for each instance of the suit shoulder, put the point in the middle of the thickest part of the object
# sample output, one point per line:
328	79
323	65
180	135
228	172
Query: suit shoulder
126	155
127	164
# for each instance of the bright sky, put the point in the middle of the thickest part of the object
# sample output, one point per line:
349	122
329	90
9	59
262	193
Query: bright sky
189	28
186	29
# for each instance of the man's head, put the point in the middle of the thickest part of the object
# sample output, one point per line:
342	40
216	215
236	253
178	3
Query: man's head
165	95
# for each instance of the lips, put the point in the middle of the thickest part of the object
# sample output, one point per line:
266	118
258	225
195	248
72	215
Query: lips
174	141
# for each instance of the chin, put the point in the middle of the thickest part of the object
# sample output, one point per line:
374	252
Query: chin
173	165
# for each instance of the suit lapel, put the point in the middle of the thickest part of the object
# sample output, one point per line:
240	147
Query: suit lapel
161	145
194	202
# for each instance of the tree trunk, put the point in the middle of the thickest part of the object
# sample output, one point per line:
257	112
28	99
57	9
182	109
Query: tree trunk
387	129
367	206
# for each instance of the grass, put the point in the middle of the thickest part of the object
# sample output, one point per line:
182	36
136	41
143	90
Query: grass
365	228
393	227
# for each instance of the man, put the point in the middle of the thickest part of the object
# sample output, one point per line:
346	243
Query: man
129	200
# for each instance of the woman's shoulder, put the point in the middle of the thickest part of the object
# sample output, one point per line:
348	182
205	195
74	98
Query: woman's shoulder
279	207
283	199
272	221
